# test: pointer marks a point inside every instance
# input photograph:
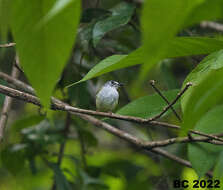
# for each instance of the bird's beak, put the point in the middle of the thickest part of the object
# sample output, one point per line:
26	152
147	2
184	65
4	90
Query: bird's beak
121	84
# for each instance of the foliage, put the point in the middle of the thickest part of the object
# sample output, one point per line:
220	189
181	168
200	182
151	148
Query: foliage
68	49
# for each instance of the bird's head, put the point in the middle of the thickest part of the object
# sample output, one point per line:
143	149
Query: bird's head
114	84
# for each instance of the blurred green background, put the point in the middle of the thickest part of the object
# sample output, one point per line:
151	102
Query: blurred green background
93	158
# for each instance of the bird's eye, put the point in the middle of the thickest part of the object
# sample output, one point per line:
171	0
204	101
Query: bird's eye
112	82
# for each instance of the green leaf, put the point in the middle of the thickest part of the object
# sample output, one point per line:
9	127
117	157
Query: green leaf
207	65
123	167
121	15
161	20
91	13
44	40
58	7
218	171
13	159
206	91
211	123
147	106
43	134
5	8
203	155
60	179
202	12
87	136
201	159
186	46
179	46
88	180
27	121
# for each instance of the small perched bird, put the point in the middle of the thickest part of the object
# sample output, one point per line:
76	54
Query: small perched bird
107	97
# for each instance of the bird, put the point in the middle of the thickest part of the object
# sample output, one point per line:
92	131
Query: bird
107	97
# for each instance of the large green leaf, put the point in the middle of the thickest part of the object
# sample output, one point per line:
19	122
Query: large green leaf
44	32
207	65
180	46
147	106
206	91
121	14
201	159
204	155
161	20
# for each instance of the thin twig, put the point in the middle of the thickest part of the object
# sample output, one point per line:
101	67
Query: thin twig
62	145
16	83
152	83
215	137
7	104
65	133
172	103
18	67
83	151
7	45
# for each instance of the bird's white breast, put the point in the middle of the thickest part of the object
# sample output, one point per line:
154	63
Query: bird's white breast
107	98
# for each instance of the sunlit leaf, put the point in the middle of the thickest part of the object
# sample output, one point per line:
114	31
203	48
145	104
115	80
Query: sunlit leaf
180	46
206	91
161	20
147	106
44	45
204	155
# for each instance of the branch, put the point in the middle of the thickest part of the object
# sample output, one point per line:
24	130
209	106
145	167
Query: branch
23	86
212	25
129	118
117	132
152	83
58	105
7	104
172	103
7	45
16	83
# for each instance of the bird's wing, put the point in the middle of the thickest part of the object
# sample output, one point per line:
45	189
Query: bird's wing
98	91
